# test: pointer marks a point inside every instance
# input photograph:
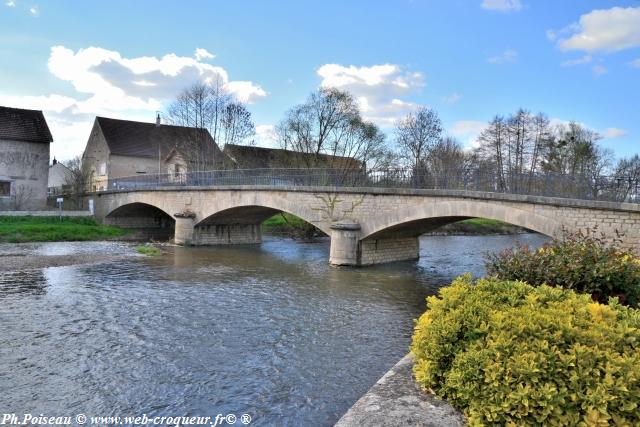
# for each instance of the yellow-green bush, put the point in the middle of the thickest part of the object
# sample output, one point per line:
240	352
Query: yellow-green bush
507	353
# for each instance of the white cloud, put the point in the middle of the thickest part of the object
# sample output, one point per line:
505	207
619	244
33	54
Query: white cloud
54	103
553	35
201	54
266	136
246	91
605	30
378	89
502	5
451	99
584	60
108	84
33	10
636	63
614	133
509	55
10	3
468	131
599	70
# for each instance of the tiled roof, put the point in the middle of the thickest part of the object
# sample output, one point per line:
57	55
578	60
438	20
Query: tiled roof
24	125
140	139
248	157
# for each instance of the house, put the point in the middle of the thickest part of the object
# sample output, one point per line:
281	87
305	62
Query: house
24	159
249	157
124	148
60	177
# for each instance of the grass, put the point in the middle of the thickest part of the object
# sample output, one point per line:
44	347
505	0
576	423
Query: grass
54	229
283	220
148	250
285	224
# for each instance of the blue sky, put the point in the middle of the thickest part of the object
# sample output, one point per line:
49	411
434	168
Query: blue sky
468	59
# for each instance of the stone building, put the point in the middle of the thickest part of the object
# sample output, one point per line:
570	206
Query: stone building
24	159
60	177
248	157
123	148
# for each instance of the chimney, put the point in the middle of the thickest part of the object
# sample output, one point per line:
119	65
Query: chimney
54	161
157	119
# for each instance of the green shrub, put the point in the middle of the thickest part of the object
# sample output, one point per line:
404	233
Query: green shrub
580	261
507	353
148	250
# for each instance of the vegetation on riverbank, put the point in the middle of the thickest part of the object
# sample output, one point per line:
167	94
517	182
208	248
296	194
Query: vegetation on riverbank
512	350
585	261
478	226
148	250
52	229
507	353
284	224
292	226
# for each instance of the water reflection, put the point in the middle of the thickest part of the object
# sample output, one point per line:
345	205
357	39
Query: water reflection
269	330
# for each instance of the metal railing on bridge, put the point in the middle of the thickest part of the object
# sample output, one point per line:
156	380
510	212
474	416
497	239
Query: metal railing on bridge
604	188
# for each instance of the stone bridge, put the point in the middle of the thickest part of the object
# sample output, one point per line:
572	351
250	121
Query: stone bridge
366	225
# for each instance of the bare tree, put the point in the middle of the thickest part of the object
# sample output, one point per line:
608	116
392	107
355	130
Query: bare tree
210	106
329	123
236	124
627	177
447	162
79	180
21	197
493	141
416	134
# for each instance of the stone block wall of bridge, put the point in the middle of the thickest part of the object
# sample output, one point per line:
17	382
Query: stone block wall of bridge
388	221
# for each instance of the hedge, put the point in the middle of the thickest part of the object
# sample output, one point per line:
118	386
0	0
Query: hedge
583	261
507	353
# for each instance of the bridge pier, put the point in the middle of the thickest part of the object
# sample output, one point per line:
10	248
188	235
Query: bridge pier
380	251
227	234
184	231
347	248
345	238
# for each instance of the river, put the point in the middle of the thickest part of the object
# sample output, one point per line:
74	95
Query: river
271	331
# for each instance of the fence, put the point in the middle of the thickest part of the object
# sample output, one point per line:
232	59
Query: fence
605	188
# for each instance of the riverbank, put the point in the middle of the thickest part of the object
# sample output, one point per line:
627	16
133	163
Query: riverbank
396	400
478	227
39	255
291	226
54	229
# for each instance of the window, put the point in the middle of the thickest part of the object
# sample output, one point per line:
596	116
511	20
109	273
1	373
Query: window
177	170
103	168
5	188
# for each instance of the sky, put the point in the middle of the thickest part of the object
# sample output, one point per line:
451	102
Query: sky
467	59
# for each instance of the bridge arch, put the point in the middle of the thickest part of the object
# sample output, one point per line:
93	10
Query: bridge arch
255	208
147	220
416	220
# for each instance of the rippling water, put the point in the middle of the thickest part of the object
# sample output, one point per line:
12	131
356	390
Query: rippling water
270	330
